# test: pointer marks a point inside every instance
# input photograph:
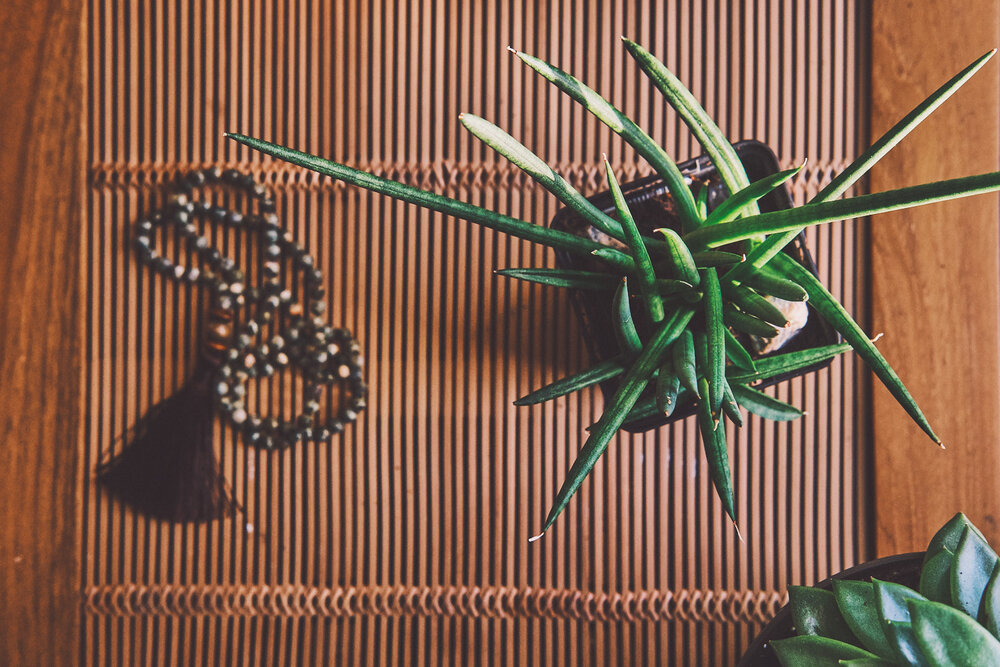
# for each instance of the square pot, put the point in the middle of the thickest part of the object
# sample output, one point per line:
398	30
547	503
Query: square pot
653	207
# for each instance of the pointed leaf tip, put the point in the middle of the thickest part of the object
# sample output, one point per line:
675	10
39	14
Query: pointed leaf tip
536	537
512	49
738	533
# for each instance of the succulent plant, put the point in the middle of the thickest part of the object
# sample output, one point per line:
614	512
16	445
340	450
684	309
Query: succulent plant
683	285
952	620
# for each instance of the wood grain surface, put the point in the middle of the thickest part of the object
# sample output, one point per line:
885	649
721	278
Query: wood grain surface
405	540
437	487
41	327
934	276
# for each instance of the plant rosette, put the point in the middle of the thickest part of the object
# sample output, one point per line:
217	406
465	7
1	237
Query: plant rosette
940	608
653	207
693	296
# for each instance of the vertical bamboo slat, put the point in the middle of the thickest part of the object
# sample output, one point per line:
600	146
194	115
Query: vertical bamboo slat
405	539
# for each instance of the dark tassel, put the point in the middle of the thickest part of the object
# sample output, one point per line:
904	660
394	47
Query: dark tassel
168	469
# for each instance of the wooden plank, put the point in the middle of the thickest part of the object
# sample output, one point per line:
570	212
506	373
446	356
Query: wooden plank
934	276
41	303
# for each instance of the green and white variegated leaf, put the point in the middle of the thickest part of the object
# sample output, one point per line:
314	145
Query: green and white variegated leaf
622	125
435	202
763	253
542	173
723	155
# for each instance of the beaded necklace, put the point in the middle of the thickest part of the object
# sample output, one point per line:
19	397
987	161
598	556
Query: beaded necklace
298	338
324	355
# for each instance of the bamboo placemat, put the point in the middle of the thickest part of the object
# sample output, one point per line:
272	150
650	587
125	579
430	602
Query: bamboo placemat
405	540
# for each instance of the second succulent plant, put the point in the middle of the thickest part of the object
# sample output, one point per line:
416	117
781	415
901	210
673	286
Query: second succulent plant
953	620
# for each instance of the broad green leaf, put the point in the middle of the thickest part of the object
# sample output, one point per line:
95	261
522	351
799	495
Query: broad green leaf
857	604
436	202
828	307
935	576
727	162
622	125
892	601
949	535
812	651
788	362
989	610
764	405
597	373
971	571
949	638
543	174
814	612
902	637
763	253
794	219
617	410
735	205
587	280
654	304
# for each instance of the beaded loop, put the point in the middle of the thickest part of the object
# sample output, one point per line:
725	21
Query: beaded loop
324	355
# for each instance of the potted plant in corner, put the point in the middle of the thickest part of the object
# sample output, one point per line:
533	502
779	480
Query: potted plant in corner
940	608
681	295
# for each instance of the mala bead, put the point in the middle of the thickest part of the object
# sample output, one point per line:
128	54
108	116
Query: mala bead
324	355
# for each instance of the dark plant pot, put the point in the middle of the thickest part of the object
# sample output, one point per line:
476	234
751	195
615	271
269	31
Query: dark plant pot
902	569
653	207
